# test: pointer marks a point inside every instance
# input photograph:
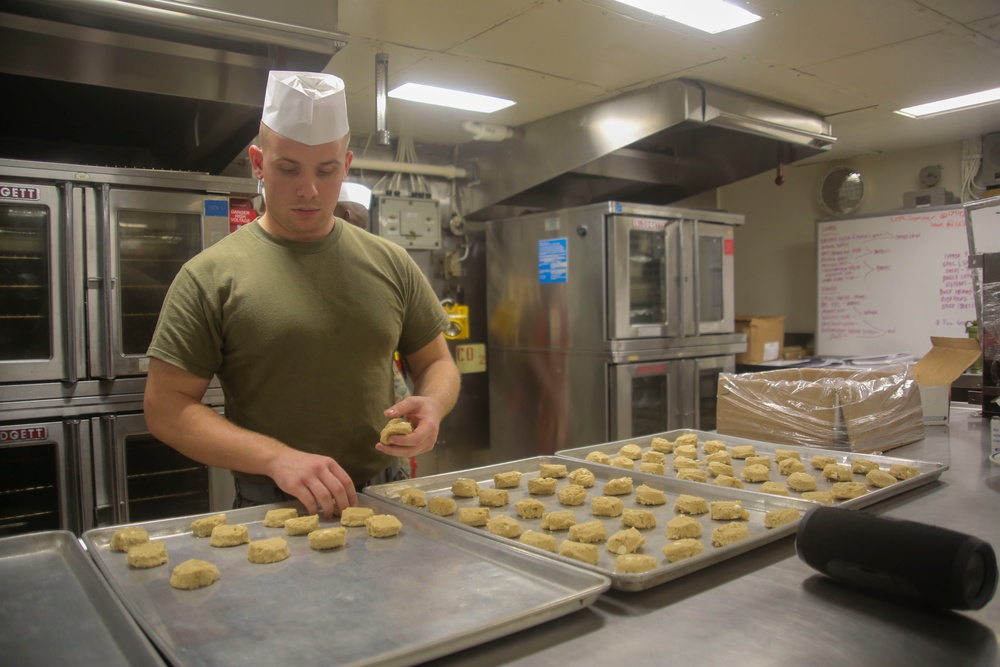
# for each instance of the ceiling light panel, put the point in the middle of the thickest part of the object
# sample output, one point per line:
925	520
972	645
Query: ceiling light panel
711	16
446	97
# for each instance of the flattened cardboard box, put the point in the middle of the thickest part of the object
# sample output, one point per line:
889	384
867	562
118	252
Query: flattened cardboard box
765	338
856	410
936	370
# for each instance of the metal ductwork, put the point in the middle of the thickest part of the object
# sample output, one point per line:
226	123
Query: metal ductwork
165	84
657	145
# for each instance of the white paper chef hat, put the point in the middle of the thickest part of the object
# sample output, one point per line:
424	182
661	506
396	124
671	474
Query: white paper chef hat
308	107
357	193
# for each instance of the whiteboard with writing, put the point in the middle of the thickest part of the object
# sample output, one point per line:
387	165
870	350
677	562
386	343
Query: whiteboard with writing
887	283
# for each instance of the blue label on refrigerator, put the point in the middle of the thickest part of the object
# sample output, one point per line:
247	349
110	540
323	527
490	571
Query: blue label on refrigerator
552	261
217	207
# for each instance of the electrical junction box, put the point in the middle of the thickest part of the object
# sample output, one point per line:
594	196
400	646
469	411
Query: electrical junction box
413	223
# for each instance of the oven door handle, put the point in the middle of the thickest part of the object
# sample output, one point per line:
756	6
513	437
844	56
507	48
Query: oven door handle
107	285
119	484
70	374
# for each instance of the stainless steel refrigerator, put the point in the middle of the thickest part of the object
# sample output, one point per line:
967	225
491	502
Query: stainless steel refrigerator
606	322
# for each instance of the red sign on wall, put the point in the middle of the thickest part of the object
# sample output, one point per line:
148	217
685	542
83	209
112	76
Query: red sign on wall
241	212
729	247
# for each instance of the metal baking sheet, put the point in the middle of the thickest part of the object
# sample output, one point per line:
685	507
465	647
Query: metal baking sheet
929	471
424	593
756	503
56	608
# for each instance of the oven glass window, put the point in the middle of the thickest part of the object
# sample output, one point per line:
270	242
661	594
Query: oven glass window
649	404
153	245
25	285
708	389
710	278
29	487
162	482
647	277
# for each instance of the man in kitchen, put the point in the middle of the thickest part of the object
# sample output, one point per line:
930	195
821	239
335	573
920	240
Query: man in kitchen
298	316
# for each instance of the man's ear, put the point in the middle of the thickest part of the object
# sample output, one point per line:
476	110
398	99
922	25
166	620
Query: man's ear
257	162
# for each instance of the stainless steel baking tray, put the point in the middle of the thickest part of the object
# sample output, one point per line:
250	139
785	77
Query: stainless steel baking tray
57	609
756	503
426	592
929	471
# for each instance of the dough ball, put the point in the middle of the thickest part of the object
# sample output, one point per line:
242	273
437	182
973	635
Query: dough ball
203	527
302	525
661	445
598	457
623	462
756	473
230	536
625	541
606	506
728	510
355	516
714	446
652	468
147	554
819	461
837	473
465	487
774	488
634	563
383	525
572	495
276	518
782	454
692	475
507	480
588	532
681	549
686	504
126	538
790	466
586	553
682	526
442	506
328	538
780	517
619	486
474	516
863	466
743	451
687	451
715	469
880	479
504	526
411	497
901	472
271	550
558	520
641	519
539	540
633	452
582	477
647	495
542	486
194	573
719	457
681	462
493	497
654	457
825	497
729	533
801	481
728	481
396	426
758	461
846	490
529	508
686	439
552	470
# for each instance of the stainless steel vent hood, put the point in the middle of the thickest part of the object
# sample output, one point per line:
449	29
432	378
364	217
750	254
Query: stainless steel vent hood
166	84
657	145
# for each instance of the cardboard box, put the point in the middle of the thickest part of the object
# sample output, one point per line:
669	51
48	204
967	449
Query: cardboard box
765	338
859	410
936	370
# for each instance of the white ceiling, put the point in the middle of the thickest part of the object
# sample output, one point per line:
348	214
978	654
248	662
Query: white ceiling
851	61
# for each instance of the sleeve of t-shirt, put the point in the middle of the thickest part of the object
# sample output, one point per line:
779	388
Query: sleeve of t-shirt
188	333
424	317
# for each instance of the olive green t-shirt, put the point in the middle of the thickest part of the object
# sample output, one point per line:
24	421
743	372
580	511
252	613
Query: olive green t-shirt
301	335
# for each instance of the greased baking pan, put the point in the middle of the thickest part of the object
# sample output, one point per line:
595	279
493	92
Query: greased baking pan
57	609
929	471
758	504
426	592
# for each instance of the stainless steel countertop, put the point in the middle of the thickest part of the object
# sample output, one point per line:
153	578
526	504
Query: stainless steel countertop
767	607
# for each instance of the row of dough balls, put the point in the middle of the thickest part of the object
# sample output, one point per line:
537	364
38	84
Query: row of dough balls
196	573
757	468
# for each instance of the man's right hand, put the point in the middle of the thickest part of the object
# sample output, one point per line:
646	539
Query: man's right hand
318	482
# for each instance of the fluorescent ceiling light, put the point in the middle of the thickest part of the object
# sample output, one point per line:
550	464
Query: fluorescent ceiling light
709	15
953	104
445	97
